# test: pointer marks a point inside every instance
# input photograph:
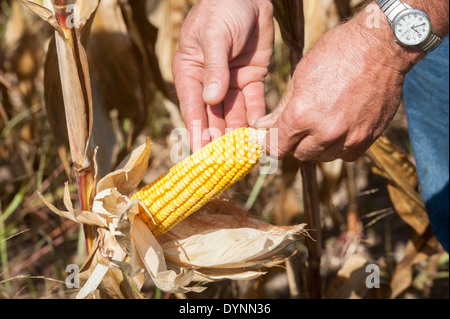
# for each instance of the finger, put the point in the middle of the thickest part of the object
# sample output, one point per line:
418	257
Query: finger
216	78
339	150
235	109
288	132
356	153
245	73
307	149
332	152
286	126
269	120
188	83
216	121
255	104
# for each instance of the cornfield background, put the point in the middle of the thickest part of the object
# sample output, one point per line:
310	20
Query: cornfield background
366	215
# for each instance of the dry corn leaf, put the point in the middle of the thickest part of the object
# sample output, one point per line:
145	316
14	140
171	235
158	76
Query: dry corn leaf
166	16
76	89
44	9
350	281
53	97
401	175
76	215
102	272
418	249
402	185
148	34
129	173
119	65
53	104
73	70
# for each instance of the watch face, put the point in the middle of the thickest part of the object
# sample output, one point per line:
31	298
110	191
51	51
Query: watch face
412	27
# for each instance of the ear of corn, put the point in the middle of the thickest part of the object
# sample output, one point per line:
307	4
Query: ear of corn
199	178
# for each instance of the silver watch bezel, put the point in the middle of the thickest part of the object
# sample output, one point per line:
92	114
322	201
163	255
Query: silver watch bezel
407	12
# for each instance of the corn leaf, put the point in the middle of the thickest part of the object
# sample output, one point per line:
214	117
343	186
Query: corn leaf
402	180
418	249
73	72
350	281
120	69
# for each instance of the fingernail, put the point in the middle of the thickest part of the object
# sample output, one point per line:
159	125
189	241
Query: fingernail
263	122
211	91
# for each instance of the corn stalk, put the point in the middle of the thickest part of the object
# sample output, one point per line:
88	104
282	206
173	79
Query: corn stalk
289	14
73	90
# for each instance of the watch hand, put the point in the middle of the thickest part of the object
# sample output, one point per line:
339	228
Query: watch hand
416	26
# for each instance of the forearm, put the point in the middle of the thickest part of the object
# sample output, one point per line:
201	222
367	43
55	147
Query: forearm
372	25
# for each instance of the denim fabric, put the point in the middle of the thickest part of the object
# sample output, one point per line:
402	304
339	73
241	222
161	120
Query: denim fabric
426	95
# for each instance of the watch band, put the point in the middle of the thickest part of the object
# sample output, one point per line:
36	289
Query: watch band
431	43
393	7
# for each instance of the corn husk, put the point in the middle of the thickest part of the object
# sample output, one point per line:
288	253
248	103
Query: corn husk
218	242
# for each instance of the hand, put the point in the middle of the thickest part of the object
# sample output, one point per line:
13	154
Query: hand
219	69
343	95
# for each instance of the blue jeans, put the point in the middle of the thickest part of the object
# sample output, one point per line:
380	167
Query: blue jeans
426	95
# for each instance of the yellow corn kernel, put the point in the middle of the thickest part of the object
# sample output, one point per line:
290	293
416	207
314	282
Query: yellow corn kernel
199	178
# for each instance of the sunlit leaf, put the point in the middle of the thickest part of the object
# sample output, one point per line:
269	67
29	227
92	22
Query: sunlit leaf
418	249
350	281
401	175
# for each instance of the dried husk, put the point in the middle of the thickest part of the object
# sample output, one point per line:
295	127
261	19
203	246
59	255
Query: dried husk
219	242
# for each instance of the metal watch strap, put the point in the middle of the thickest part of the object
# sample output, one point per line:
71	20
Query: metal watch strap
393	7
431	43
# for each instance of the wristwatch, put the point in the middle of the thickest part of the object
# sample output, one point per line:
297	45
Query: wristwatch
411	27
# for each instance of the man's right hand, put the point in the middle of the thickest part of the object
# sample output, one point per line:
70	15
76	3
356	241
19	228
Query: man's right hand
219	69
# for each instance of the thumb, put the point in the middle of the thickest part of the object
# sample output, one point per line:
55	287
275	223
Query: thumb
271	123
282	129
270	120
216	77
